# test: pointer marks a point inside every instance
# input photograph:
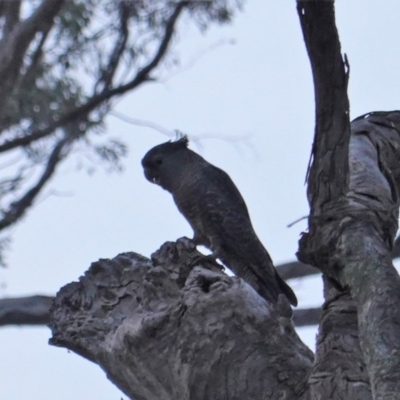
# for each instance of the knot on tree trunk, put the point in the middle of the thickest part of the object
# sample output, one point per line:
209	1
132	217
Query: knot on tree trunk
175	327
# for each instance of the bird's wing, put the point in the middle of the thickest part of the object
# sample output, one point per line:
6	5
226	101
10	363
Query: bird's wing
226	189
229	219
217	212
227	213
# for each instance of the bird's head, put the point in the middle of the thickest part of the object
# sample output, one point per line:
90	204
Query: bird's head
163	164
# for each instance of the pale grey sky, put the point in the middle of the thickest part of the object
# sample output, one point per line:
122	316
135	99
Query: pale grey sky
261	89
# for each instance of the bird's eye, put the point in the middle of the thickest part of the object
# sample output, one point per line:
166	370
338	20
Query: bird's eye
158	160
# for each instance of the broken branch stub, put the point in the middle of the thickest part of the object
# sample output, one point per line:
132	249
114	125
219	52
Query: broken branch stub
163	329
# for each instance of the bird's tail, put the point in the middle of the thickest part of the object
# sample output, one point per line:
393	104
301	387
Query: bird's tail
264	278
286	290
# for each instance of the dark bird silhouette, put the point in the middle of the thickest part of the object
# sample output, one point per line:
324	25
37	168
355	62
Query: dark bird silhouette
216	211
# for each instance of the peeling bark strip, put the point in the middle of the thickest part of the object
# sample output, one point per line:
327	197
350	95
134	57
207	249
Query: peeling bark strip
329	170
163	330
353	191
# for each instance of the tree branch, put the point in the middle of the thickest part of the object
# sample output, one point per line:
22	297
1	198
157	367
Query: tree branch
328	175
13	46
306	316
33	310
11	11
17	310
162	329
36	57
18	208
79	112
296	269
113	62
24	33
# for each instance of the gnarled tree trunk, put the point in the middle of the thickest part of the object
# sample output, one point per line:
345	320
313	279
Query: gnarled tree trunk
163	329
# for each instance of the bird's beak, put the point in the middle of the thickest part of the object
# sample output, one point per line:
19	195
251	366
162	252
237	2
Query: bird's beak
151	177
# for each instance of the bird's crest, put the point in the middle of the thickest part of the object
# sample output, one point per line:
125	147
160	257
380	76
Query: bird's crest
181	140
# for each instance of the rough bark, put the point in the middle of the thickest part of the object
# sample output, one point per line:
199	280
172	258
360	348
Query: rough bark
339	370
297	269
353	193
166	329
328	177
34	310
364	243
23	311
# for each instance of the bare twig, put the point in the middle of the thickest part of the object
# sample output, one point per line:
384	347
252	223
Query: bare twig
109	71
141	122
17	209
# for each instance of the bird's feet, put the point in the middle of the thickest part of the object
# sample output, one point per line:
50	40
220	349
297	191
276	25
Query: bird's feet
208	261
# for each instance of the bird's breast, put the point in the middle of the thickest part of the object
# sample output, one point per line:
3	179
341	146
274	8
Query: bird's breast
190	200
